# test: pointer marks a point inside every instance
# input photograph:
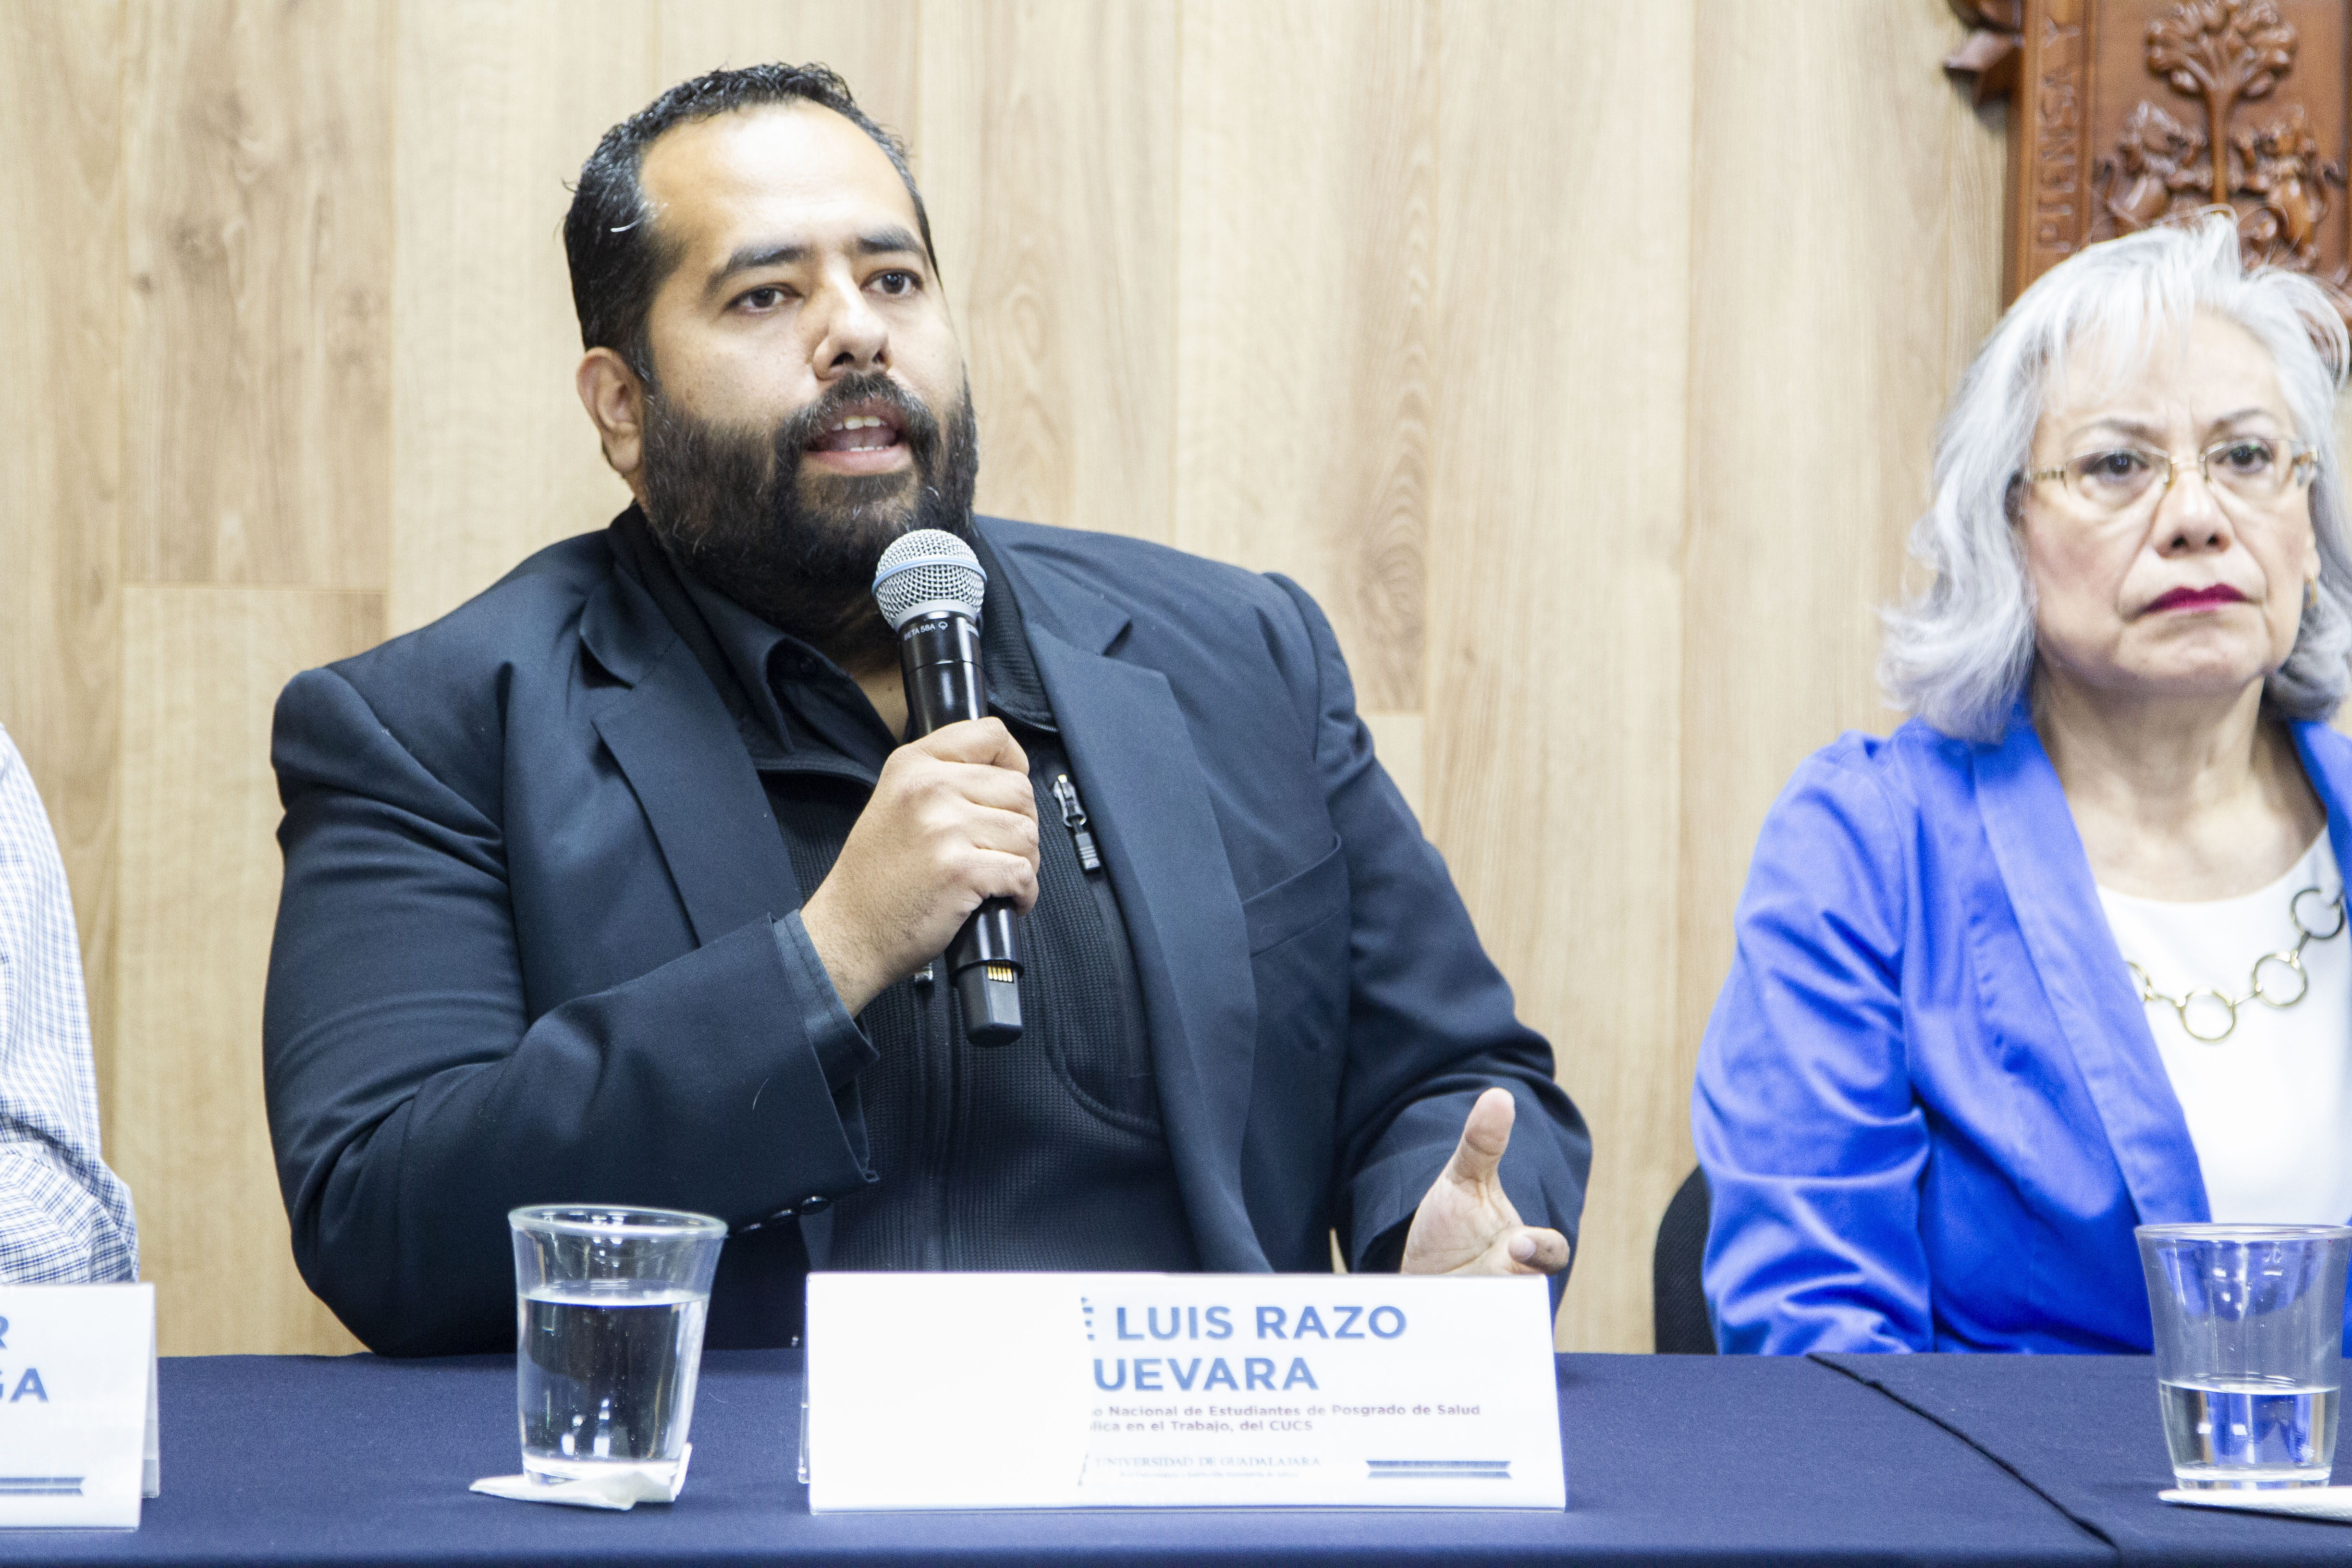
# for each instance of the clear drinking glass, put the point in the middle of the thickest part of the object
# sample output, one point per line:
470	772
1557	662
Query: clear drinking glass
2249	1336
609	1306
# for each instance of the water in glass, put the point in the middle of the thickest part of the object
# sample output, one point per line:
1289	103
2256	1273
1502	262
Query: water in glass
2249	1432
607	1375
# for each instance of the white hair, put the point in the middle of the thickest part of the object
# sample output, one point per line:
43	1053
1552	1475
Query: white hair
1959	654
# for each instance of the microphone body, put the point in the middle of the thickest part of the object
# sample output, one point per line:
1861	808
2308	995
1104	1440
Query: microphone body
939	660
930	586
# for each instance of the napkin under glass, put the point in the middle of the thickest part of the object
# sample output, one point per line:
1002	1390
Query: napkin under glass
2301	1502
622	1488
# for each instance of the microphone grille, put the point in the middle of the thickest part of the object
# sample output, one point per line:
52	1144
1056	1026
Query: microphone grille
926	570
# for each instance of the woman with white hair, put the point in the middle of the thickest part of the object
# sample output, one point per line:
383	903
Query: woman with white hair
2067	952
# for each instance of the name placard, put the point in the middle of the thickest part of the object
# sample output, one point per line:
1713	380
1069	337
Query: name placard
77	1437
1031	1391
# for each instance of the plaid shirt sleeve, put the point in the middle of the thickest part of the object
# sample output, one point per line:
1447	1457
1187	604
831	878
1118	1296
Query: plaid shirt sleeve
65	1218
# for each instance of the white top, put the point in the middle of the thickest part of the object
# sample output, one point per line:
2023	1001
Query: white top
2270	1107
65	1218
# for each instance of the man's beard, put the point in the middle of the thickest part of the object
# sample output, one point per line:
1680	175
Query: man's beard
735	507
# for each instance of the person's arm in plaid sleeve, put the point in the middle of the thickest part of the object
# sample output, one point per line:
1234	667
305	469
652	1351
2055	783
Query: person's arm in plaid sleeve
64	1218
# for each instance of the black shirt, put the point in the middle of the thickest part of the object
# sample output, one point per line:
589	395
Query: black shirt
1045	1154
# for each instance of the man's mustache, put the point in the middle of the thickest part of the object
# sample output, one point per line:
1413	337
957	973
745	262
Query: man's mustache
916	426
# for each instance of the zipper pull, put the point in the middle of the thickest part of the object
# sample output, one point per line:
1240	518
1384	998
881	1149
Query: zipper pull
1074	817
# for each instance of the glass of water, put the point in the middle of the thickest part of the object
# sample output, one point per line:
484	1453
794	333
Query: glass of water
609	1305
2249	1333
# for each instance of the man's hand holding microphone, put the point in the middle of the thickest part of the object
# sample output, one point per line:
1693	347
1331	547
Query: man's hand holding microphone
953	821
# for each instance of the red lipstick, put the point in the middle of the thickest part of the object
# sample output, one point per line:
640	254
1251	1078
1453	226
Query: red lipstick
2208	598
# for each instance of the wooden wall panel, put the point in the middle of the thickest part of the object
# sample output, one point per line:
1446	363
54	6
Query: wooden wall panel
1400	741
61	199
258	147
1304	325
874	44
202	669
1556	619
498	104
1821	362
1048	141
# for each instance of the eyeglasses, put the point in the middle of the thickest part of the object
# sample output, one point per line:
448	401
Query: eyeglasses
2257	469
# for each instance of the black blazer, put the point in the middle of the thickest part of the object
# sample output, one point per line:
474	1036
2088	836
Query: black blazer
524	952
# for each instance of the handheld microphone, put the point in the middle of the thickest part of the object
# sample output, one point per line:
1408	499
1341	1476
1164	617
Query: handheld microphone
929	586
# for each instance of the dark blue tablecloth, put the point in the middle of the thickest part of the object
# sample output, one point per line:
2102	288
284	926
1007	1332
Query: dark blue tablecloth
2084	1432
1670	1459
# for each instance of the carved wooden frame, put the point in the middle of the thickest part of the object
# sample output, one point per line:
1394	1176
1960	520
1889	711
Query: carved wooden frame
2124	114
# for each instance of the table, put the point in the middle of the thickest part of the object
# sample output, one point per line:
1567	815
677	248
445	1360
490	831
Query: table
1683	1460
2086	1441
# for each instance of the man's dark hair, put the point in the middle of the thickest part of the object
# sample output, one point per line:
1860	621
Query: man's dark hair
618	257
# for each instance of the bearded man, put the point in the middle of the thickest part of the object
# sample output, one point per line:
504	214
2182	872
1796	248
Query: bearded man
621	884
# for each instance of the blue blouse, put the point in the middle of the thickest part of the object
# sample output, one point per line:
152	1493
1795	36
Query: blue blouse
1928	1102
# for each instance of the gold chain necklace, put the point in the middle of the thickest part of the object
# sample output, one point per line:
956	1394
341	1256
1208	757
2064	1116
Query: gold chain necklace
2290	960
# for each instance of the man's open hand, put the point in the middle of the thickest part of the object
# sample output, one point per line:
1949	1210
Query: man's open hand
953	821
1466	1224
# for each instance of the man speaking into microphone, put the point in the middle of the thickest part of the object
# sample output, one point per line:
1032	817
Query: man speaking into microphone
630	881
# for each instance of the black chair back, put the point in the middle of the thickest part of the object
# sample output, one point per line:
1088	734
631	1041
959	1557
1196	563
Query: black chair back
1678	1301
